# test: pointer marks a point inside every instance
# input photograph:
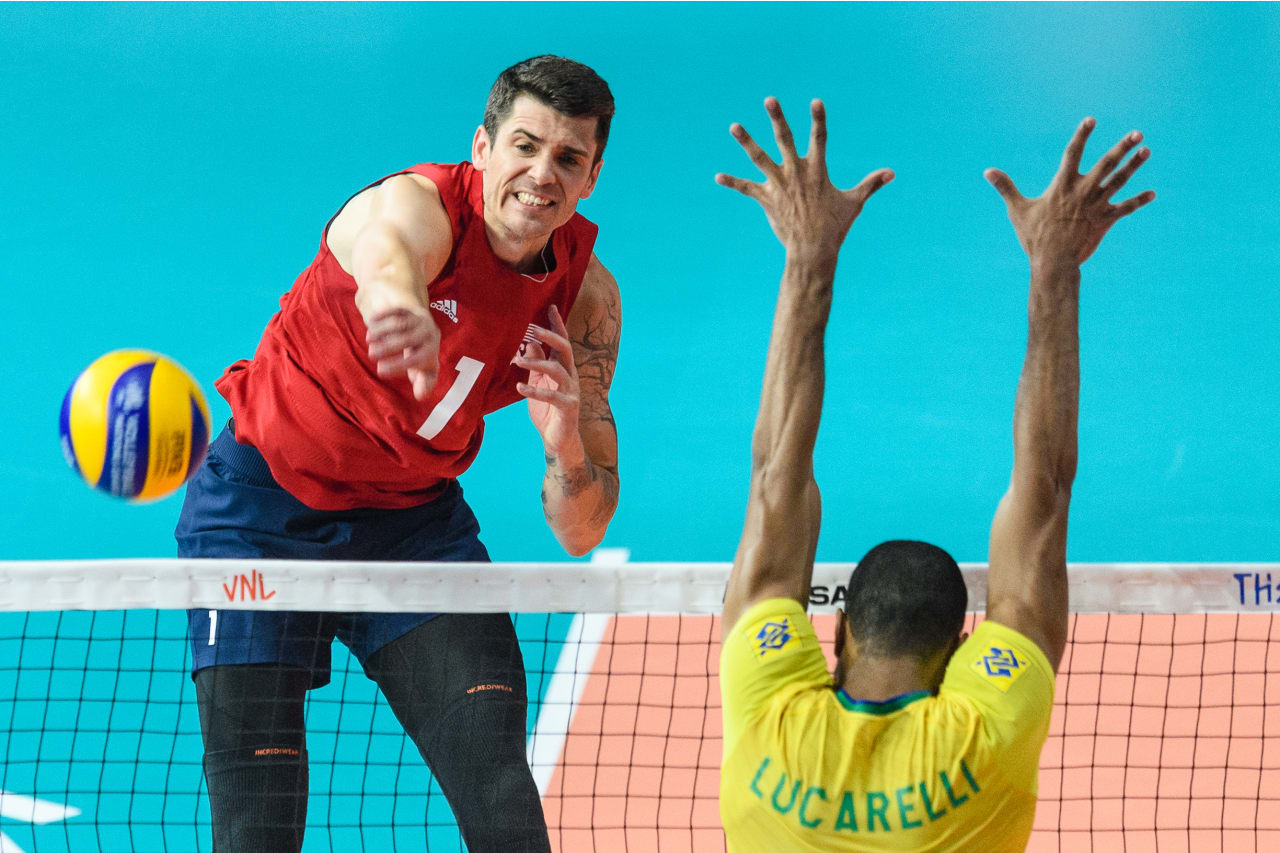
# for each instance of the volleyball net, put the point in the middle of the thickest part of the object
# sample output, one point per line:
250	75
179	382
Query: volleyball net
1165	728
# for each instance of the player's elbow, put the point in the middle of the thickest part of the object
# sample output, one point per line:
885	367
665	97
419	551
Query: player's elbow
783	489
761	455
580	544
579	539
1054	502
1062	475
1044	494
1044	464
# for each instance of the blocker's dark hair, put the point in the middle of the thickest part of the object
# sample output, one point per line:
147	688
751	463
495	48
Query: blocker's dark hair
562	84
906	598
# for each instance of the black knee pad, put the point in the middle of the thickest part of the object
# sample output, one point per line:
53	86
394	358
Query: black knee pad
258	798
457	685
477	753
252	704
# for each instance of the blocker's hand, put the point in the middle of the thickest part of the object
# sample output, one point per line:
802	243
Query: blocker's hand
405	342
1067	222
552	389
805	210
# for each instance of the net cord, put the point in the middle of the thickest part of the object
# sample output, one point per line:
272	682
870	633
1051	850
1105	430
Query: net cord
178	584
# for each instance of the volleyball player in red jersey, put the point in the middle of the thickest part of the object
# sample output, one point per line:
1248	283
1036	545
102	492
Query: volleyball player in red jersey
439	294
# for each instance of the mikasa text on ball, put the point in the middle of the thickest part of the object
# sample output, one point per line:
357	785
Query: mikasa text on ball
134	424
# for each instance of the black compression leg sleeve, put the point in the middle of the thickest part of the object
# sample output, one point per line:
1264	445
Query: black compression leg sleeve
457	685
255	755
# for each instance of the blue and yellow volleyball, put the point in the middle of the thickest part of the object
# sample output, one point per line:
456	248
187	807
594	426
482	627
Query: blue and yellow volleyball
134	424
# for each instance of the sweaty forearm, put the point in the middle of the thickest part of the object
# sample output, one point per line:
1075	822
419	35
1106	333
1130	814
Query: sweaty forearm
784	508
791	402
1045	417
579	498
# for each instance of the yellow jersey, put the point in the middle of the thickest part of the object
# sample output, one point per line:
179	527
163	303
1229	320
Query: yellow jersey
806	767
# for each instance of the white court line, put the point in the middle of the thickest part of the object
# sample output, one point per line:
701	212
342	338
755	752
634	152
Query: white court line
573	668
29	810
563	694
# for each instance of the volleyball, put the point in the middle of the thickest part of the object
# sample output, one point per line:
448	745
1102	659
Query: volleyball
134	424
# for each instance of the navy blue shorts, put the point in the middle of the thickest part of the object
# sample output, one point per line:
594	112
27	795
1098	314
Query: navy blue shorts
235	508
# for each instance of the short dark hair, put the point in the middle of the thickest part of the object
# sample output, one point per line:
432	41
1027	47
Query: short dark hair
562	84
906	598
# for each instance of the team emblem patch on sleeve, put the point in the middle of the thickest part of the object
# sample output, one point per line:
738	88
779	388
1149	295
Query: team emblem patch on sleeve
1000	667
772	638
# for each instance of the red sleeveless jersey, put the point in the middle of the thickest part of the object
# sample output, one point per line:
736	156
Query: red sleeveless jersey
336	435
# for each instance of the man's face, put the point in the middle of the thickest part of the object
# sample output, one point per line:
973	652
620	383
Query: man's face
536	170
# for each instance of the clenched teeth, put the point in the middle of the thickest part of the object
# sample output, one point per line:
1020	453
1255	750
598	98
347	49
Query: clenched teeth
527	198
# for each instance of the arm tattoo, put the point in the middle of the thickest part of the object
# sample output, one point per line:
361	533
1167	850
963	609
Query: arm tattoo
596	355
576	481
609	499
572	481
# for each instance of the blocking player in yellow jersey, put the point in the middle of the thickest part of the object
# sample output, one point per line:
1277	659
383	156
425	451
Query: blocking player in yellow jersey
923	740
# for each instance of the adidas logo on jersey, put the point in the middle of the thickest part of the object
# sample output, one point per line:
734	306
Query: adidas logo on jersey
447	307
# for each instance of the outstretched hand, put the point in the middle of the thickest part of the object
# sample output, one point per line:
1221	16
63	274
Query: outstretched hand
805	210
1067	222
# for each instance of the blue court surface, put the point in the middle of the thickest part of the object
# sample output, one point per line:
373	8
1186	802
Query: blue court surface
167	169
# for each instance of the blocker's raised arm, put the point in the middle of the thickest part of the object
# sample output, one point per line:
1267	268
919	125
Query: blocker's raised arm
1027	580
811	218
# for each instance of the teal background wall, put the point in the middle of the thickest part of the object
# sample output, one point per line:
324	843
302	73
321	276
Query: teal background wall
165	172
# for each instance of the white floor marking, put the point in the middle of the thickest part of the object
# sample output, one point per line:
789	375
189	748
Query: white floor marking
29	810
573	668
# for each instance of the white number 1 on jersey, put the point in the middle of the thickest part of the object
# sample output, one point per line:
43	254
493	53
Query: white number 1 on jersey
468	372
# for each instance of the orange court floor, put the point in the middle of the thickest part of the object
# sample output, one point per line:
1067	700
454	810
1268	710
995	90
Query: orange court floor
1163	737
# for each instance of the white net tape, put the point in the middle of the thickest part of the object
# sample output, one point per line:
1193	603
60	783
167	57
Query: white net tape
561	587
